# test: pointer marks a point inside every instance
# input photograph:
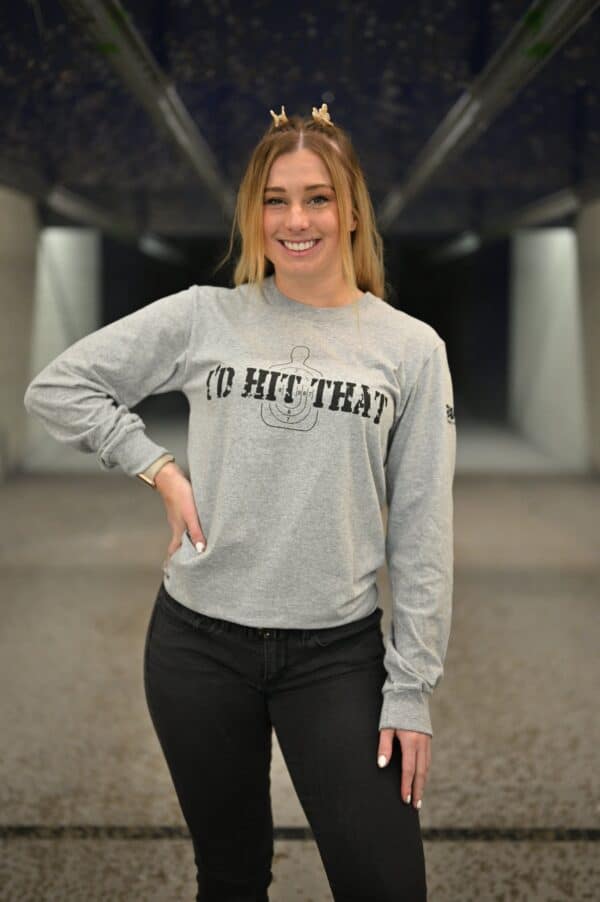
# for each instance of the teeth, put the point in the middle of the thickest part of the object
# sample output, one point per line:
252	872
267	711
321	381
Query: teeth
299	246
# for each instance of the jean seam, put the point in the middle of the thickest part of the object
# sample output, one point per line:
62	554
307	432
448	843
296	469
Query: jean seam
145	668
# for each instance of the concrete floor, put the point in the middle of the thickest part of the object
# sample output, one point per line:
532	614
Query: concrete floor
512	806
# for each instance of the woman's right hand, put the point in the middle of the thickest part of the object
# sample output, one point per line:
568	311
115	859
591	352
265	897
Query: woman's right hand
177	494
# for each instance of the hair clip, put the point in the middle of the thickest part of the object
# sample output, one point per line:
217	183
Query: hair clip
322	115
281	119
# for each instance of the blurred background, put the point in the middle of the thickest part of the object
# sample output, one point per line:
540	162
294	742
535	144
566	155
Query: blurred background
124	132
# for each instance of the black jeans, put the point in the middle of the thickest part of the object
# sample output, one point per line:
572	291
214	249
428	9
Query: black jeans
215	689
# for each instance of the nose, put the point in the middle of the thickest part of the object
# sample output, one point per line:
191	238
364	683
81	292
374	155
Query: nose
296	217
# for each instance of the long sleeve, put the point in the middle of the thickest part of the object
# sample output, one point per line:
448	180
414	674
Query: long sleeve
420	469
83	396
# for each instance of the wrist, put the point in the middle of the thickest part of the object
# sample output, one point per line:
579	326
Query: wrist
165	473
149	474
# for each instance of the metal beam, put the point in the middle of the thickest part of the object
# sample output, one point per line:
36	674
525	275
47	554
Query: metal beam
29	181
566	202
534	40
113	33
127	228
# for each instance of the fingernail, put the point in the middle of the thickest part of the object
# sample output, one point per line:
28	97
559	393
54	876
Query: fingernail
200	546
382	761
418	805
408	798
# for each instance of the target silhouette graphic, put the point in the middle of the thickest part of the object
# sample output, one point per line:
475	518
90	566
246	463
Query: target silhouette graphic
293	407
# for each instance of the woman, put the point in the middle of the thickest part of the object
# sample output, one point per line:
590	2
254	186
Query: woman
313	404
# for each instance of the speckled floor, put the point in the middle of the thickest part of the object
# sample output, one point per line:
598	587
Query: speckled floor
512	805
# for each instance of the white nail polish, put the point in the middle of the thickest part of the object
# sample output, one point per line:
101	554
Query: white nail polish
200	546
382	761
408	798
418	805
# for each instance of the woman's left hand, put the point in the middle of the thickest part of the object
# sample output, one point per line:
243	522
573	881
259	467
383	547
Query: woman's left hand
416	759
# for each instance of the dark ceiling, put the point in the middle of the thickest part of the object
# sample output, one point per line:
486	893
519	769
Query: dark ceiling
388	71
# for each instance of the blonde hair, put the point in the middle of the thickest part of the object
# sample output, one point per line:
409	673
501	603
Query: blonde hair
361	249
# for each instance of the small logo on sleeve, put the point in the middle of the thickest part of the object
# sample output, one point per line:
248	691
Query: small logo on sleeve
450	414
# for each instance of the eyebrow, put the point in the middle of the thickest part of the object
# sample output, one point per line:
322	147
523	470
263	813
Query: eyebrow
308	187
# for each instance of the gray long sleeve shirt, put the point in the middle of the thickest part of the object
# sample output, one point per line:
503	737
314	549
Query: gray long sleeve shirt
304	423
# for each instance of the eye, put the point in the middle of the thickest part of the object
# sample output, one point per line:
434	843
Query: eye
316	197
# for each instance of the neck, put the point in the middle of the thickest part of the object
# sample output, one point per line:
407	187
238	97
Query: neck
328	291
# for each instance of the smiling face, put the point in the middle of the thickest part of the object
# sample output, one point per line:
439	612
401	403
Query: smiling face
300	205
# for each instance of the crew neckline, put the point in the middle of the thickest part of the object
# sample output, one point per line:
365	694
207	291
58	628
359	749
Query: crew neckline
277	298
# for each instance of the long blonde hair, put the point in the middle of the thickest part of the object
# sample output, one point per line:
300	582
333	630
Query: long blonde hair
361	249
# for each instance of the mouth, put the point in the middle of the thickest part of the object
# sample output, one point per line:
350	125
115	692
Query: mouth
303	251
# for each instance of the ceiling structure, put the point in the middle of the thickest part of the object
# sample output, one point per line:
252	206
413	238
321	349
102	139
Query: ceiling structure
140	117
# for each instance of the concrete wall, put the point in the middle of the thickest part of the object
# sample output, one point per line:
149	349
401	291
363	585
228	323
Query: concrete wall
66	306
588	244
547	397
18	241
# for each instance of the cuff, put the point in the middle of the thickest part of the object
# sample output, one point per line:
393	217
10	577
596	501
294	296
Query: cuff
405	711
133	454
